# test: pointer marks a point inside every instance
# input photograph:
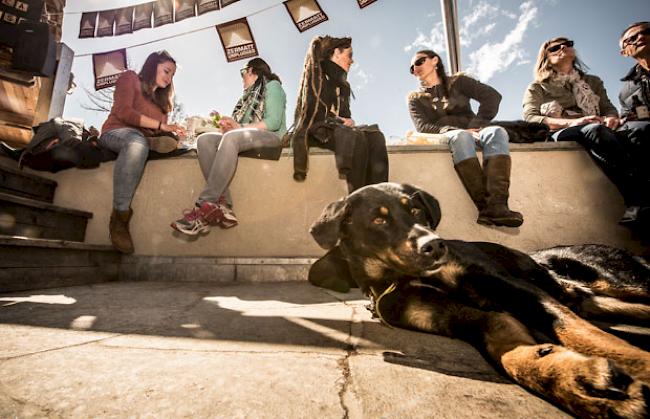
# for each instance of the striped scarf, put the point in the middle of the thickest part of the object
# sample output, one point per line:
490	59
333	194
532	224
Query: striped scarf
253	100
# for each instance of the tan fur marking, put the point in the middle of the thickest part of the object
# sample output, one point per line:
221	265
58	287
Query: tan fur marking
383	211
419	316
404	201
449	272
374	268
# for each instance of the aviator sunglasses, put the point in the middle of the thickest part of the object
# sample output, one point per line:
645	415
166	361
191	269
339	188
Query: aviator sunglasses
243	71
556	47
418	63
632	39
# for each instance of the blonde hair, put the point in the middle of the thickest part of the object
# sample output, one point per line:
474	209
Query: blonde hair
543	67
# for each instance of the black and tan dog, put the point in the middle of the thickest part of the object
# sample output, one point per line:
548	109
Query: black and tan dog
524	313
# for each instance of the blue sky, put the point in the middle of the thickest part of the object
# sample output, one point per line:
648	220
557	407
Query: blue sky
500	40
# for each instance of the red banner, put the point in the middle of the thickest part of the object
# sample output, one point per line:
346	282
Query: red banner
88	24
142	16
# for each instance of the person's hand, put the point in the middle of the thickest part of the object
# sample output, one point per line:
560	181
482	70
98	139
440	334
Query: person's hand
227	124
612	122
474	132
176	129
348	122
590	119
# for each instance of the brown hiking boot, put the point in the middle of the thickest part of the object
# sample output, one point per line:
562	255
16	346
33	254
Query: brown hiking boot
496	212
471	175
119	231
163	144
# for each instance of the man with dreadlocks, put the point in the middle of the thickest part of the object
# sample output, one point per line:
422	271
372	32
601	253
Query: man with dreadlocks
323	118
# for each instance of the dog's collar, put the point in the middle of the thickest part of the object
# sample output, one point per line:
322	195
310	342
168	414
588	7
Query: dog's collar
392	287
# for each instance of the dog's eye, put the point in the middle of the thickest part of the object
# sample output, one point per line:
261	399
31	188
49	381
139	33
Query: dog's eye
416	212
379	221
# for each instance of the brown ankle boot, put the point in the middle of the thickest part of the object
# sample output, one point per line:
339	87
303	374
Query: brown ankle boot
497	174
119	231
471	175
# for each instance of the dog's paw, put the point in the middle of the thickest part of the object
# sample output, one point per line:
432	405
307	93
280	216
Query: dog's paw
587	386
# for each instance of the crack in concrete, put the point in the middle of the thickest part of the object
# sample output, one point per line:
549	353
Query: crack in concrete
9	358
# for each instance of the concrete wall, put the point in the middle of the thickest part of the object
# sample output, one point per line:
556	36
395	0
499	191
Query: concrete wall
564	197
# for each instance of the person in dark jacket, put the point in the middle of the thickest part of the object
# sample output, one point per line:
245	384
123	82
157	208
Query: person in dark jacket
323	119
635	98
442	105
575	105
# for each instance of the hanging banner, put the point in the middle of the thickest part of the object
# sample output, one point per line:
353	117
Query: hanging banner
124	21
105	23
305	13
225	3
142	16
237	40
88	23
163	12
364	3
184	9
107	67
17	10
204	6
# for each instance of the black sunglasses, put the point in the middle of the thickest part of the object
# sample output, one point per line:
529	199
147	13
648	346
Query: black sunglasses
243	71
418	63
632	39
556	47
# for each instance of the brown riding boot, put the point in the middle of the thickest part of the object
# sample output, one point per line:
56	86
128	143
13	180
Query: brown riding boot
119	231
497	175
471	175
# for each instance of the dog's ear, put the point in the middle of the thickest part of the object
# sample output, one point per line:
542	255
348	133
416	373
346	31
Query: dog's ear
326	228
431	206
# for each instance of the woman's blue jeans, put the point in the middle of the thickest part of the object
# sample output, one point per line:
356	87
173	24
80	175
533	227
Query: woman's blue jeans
132	149
492	140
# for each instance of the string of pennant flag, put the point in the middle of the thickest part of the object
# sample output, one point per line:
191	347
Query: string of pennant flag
236	35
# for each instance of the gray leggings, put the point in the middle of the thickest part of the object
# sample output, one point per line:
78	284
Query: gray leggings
218	156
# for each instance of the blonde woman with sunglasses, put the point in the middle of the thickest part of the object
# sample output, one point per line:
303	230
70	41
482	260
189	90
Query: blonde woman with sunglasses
442	105
258	122
575	105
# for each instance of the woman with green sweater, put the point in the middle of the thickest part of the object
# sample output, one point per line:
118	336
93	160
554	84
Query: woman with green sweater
258	121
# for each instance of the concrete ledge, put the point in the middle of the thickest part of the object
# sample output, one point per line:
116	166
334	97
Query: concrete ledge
564	197
213	269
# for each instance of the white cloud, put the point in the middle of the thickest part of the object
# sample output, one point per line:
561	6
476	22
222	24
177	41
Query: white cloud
492	58
359	79
481	22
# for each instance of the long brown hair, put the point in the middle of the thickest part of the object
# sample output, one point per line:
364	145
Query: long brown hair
164	98
260	68
543	68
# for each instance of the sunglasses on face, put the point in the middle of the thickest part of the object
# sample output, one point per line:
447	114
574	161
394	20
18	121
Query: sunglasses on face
243	71
557	47
632	39
417	63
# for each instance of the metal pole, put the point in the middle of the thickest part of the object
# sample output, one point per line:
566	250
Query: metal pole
450	19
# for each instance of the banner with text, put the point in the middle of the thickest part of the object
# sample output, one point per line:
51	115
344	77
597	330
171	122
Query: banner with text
305	13
237	40
107	67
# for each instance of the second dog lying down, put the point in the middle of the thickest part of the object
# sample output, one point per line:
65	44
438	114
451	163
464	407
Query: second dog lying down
524	313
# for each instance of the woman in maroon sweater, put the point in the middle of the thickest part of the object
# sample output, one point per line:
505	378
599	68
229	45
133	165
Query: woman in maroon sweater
141	103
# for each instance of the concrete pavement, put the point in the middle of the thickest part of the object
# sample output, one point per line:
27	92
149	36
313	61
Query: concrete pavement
254	350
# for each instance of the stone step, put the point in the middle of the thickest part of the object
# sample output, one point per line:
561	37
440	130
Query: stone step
27	217
13	181
30	264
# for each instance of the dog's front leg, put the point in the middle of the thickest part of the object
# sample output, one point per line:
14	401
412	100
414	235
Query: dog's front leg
585	385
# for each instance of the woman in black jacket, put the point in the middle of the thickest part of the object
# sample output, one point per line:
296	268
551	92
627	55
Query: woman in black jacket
323	118
442	106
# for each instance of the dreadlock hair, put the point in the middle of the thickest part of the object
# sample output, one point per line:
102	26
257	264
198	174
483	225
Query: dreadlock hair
311	82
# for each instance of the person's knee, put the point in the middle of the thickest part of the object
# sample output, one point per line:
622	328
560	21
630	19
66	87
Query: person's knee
461	141
138	145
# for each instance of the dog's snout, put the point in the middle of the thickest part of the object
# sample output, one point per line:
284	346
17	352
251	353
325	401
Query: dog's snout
430	248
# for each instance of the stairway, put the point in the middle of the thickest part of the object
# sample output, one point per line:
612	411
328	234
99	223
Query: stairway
41	244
